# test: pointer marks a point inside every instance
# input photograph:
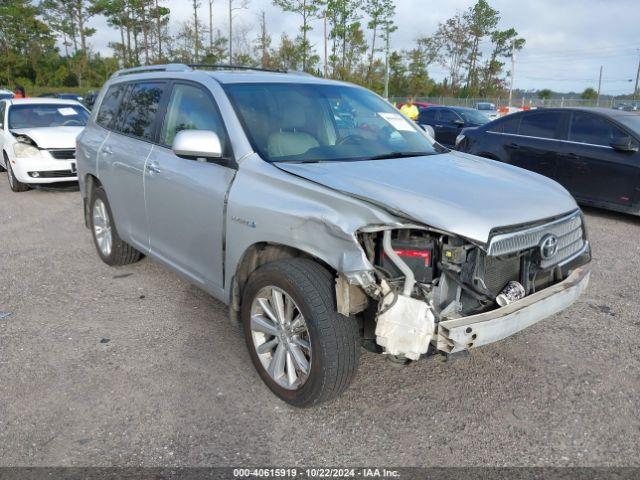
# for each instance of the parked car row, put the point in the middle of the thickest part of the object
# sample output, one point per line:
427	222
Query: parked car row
593	153
448	122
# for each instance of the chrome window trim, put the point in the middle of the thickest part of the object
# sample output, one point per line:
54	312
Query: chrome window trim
551	139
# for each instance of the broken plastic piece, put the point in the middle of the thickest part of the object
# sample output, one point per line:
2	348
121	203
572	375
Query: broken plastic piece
405	326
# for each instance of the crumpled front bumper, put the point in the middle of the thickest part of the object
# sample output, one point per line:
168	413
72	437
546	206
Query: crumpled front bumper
484	328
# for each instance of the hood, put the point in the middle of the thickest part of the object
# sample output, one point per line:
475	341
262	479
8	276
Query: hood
51	137
455	192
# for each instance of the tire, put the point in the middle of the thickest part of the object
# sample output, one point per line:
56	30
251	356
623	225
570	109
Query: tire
334	339
111	248
15	184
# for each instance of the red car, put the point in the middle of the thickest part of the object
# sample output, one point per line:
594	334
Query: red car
417	104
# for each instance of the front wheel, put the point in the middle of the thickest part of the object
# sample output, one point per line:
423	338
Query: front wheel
303	349
15	184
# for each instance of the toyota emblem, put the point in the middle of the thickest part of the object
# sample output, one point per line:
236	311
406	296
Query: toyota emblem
548	246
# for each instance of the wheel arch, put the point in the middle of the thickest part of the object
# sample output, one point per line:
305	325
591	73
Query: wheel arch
90	182
254	257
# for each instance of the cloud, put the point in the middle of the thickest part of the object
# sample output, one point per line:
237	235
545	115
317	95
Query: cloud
567	41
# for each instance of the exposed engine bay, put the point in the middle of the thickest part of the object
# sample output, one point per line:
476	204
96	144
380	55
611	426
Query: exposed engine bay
425	277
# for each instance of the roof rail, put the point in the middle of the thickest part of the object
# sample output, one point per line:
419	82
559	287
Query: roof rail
216	66
169	67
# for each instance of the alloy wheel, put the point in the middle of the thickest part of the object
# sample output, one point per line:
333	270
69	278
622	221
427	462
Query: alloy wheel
102	227
281	337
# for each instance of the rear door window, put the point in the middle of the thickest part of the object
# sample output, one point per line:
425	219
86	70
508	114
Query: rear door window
592	129
138	113
448	116
427	115
3	108
541	125
511	125
109	106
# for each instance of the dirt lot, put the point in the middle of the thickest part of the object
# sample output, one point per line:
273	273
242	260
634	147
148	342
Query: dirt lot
134	366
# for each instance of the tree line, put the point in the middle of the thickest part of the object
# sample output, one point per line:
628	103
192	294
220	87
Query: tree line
50	43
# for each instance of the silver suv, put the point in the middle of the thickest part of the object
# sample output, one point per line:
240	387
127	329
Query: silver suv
325	219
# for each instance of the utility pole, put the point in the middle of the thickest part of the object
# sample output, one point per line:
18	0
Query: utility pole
513	70
243	4
230	32
326	63
263	38
635	90
195	26
210	26
386	64
599	87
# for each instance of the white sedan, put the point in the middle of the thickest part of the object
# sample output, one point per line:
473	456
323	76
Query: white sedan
38	140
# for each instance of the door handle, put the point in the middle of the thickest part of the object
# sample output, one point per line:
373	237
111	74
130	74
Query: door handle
571	156
438	126
514	146
152	168
107	151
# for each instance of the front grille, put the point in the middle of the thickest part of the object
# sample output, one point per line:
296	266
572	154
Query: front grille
69	154
568	230
53	174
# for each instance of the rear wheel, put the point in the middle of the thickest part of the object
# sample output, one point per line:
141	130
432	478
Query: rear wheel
111	248
303	349
15	184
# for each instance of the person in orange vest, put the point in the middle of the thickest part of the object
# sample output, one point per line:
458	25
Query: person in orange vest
410	110
19	93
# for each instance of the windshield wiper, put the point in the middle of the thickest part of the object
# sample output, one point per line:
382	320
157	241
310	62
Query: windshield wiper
391	155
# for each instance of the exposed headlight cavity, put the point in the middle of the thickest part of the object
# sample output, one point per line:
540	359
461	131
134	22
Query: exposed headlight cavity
25	150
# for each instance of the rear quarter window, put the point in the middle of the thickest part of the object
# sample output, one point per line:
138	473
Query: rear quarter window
506	125
109	105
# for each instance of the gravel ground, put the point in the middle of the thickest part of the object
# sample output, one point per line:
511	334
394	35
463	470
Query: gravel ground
135	367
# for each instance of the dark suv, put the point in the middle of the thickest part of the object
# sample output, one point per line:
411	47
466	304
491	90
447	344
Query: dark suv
448	122
592	152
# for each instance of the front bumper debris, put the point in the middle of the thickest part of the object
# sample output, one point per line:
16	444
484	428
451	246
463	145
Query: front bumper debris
476	330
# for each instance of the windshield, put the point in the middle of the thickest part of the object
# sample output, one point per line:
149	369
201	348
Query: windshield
486	106
47	115
310	122
473	116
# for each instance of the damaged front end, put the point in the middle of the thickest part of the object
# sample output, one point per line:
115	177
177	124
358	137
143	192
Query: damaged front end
431	291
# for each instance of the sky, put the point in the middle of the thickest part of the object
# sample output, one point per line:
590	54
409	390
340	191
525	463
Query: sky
567	41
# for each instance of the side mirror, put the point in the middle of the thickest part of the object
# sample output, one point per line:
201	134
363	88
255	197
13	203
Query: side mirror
625	144
197	144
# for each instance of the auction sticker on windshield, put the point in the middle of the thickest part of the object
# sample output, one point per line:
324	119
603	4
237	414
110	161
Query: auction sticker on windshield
67	111
397	121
